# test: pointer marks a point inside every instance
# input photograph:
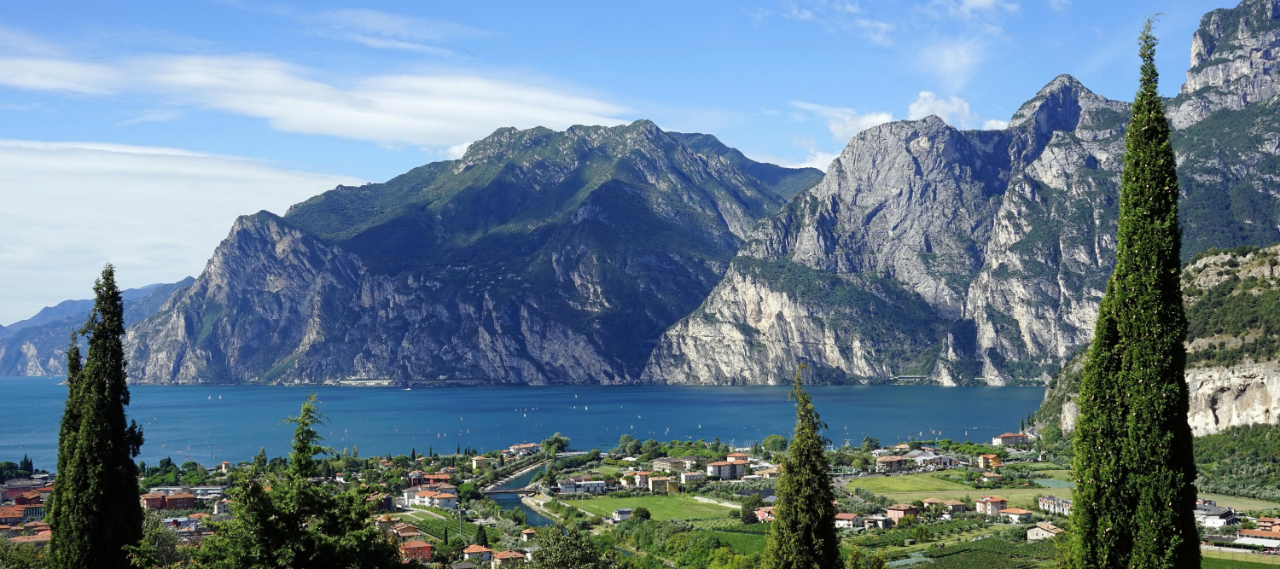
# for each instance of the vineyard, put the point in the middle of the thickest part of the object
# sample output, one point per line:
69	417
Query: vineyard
992	554
731	526
438	528
895	537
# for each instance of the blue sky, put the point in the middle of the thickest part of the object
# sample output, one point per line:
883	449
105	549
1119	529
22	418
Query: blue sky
136	132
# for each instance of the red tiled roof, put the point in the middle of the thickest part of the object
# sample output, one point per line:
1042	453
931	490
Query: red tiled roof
901	507
508	555
477	549
1015	511
415	544
844	516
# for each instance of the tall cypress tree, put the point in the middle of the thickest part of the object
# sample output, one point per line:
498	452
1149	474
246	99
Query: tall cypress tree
94	509
803	532
1133	464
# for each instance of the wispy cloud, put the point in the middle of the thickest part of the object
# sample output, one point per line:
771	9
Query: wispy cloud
953	63
157	213
155	115
843	122
386	30
437	110
971	8
1059	5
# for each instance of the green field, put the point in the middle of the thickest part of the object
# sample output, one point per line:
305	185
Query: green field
909	483
1224	560
678	507
1240	503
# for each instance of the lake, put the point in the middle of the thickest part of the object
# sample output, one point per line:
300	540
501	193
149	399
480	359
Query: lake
209	424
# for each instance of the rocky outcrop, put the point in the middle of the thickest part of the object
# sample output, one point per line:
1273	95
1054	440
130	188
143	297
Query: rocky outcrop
1235	61
1224	397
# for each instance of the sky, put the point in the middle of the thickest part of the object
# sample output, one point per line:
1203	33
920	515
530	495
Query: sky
135	133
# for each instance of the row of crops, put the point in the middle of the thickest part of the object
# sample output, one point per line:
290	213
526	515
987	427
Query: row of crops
992	554
936	531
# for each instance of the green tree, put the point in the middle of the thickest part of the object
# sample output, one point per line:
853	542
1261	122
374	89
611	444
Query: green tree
260	460
803	532
775	443
561	548
94	511
641	513
159	547
285	521
870	443
1133	461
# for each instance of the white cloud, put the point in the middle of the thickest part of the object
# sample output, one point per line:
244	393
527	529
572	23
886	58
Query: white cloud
157	115
385	30
954	63
425	110
994	124
876	31
457	151
969	8
1059	5
844	123
954	110
157	213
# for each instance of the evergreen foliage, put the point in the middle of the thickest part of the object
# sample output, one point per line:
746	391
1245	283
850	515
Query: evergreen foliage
559	548
286	521
803	532
1133	460
94	511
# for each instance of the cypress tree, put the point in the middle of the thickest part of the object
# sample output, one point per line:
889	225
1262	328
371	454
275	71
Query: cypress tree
1133	464
803	532
94	510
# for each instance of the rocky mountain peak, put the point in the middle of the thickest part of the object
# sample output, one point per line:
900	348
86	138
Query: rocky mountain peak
1235	61
1065	104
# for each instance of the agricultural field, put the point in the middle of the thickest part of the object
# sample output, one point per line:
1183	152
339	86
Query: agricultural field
1226	560
677	507
993	554
1240	503
927	482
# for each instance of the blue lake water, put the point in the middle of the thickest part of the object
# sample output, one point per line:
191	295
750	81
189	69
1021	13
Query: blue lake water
209	424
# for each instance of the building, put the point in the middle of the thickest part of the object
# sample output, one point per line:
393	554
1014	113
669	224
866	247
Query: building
848	521
1269	524
1055	505
12	515
525	449
621	514
764	514
691	477
434	499
988	461
28	497
893	464
416	550
39	540
664	485
990	505
504	558
726	470
874	522
898	511
183	501
667	464
480	462
477	553
1042	531
689	462
1010	439
955	506
528	535
1016	515
1214	516
736	457
583	487
225	467
991	477
152	500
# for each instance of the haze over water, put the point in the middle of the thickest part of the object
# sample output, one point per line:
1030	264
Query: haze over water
209	424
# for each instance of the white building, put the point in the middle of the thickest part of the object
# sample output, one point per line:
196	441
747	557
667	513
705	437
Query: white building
585	487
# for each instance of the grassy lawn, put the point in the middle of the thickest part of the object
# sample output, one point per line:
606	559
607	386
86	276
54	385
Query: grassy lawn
1240	503
1017	497
1225	560
1057	474
678	507
927	482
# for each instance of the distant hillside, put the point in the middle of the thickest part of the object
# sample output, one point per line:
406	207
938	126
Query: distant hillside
37	345
1232	301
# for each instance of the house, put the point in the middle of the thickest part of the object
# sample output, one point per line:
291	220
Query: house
1016	515
990	505
768	472
448	471
12	515
504	558
1055	505
893	464
664	485
902	447
1269	524
340	477
15	487
528	535
433	499
416	477
689	462
443	478
182	501
525	449
726	470
764	514
621	515
405	532
736	457
898	511
691	477
667	464
1010	440
848	521
991	477
640	479
480	462
1214	516
152	500
988	461
416	550
1042	531
28	497
225	467
222	507
873	522
955	506
39	540
477	553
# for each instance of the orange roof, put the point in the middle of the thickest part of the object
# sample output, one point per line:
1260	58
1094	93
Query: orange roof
1260	533
954	503
1015	511
901	507
183	496
415	544
1012	435
508	555
844	516
198	515
932	501
152	495
529	531
477	549
992	499
719	463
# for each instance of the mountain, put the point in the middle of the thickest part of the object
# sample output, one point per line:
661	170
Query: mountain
1232	300
37	345
538	257
964	257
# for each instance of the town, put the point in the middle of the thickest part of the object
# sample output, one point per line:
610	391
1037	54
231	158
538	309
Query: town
937	500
